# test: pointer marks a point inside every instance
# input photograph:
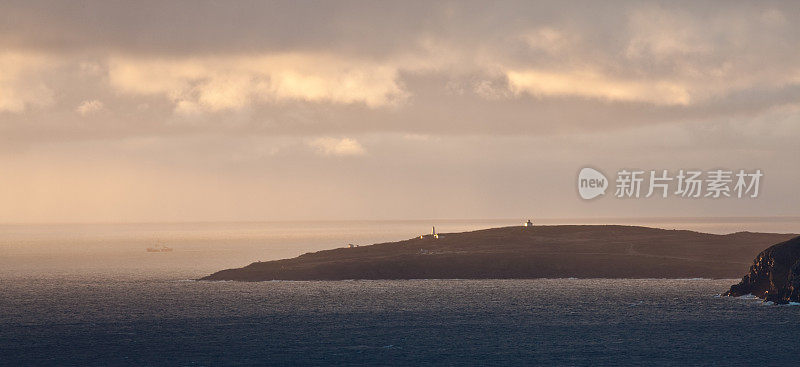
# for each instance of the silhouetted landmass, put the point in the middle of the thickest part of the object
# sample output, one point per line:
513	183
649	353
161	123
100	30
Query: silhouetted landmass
527	252
774	275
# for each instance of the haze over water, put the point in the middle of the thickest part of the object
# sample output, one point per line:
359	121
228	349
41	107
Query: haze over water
118	250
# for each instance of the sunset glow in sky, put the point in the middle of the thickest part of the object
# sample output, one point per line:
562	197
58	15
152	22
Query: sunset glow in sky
253	110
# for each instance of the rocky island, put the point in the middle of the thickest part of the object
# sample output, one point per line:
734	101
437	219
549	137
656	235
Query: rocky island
582	251
774	275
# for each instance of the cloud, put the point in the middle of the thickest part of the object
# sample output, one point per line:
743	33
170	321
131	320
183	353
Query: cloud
661	33
595	85
21	85
549	40
354	68
234	82
337	147
89	107
230	101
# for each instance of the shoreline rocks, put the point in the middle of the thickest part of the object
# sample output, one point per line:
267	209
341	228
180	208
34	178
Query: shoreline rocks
774	275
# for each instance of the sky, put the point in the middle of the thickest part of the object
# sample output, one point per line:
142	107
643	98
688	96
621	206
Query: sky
147	111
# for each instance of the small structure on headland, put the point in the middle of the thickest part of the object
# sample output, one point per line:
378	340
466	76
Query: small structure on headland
432	235
528	223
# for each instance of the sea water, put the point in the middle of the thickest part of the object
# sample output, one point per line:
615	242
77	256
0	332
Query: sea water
91	295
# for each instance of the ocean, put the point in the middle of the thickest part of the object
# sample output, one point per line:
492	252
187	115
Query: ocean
90	295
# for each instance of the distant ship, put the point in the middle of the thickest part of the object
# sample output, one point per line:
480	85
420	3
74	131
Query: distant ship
159	248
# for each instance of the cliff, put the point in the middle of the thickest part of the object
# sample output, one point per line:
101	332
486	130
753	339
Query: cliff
526	252
774	275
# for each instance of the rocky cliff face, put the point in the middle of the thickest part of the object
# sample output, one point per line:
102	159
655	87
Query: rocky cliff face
774	275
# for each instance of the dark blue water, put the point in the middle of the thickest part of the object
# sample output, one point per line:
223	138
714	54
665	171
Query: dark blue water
90	295
85	321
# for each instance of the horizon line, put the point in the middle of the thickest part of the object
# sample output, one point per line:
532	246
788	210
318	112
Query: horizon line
550	220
